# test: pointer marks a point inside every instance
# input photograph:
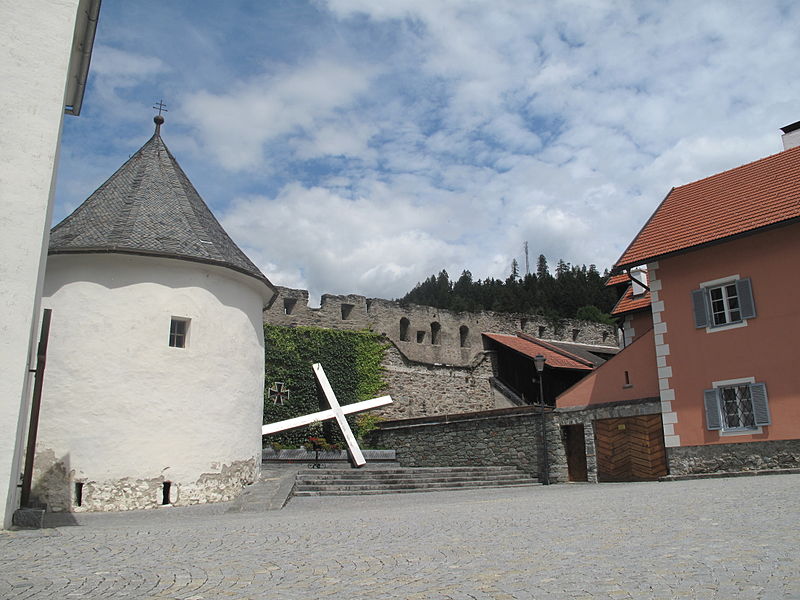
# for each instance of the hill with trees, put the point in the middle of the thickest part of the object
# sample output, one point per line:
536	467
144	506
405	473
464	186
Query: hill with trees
572	292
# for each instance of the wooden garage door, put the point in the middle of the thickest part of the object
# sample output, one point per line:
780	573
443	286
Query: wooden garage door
630	448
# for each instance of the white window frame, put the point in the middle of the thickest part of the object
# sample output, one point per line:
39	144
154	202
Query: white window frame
727	432
707	286
187	321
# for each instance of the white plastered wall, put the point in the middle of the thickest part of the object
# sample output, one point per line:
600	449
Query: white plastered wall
35	47
120	403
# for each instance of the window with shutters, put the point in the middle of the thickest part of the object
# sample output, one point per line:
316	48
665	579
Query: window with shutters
723	304
737	406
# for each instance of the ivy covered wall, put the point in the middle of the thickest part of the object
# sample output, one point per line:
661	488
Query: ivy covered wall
351	360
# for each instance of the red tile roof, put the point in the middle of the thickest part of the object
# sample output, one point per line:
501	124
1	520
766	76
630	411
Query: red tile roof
628	303
762	193
557	358
617	279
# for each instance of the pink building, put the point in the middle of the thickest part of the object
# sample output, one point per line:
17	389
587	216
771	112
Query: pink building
719	295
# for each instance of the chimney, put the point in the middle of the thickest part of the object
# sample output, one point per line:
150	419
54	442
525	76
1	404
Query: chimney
791	135
639	274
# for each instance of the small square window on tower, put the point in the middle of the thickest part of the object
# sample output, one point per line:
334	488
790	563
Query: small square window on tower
178	332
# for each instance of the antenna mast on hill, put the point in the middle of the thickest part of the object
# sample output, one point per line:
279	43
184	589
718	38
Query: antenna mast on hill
527	263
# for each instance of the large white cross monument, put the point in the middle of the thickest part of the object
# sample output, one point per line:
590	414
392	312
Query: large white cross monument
334	412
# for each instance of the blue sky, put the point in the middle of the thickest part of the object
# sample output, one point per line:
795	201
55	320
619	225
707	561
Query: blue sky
353	146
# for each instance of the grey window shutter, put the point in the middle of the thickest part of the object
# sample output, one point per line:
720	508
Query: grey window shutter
758	394
713	417
700	311
744	290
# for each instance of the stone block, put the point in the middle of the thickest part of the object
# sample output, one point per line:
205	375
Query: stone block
28	518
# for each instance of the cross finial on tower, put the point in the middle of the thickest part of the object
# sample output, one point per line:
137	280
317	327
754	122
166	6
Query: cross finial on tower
161	106
158	119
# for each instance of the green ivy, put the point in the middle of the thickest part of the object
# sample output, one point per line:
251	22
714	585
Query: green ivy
352	363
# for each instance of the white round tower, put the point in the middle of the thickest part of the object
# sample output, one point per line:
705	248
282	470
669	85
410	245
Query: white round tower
153	392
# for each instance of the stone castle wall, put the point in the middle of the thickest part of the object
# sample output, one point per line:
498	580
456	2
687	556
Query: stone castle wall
455	342
421	389
437	363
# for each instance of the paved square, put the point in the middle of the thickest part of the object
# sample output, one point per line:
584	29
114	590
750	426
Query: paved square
714	538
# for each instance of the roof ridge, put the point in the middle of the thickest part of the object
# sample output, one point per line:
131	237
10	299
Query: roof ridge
760	194
556	349
738	167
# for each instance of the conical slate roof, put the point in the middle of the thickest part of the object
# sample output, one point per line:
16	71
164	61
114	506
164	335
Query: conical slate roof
150	207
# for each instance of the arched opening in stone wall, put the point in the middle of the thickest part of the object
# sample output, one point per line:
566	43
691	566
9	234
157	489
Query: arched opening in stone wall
542	330
463	335
288	305
523	323
575	334
404	323
436	331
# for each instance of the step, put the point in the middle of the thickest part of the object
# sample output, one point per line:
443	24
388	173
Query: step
402	470
377	491
408	480
310	487
329	474
388	480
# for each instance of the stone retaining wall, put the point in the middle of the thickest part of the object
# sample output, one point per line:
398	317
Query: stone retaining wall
489	438
512	437
501	437
749	456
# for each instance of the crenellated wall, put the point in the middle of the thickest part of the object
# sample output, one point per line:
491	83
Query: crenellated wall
437	363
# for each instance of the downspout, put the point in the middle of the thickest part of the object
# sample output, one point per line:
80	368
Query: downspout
86	44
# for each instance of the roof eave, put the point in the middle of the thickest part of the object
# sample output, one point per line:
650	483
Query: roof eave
620	267
136	252
617	268
83	44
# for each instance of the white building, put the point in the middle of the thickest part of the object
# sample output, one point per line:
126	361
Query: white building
155	372
45	48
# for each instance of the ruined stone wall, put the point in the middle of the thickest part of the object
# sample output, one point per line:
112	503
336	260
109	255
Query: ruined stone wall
422	389
455	342
436	363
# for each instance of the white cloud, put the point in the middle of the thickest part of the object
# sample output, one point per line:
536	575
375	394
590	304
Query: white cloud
235	126
380	142
115	71
338	245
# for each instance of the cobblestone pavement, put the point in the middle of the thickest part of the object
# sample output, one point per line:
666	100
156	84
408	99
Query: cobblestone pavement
716	538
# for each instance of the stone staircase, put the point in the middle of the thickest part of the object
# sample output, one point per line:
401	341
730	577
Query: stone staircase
397	480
